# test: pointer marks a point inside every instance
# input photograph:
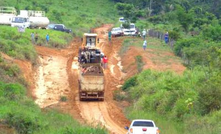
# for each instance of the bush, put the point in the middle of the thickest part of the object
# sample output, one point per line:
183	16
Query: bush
139	62
178	48
130	83
209	95
119	95
23	123
63	98
12	91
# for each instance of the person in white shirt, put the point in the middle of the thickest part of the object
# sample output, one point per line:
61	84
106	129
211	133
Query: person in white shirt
144	33
144	45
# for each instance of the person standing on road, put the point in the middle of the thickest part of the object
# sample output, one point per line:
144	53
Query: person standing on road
109	35
36	37
144	45
105	62
32	37
144	33
47	38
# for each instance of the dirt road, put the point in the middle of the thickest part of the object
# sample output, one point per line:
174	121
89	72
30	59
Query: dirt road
56	77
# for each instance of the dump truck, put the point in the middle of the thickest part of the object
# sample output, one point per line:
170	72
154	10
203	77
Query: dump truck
91	76
91	82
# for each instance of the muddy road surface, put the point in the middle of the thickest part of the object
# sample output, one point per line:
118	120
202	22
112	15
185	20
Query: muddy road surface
56	78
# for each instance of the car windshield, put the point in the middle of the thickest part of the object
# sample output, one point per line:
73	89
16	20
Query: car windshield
143	123
51	26
115	29
18	20
132	26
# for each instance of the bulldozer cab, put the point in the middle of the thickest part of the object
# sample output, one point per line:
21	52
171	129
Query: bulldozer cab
90	40
89	52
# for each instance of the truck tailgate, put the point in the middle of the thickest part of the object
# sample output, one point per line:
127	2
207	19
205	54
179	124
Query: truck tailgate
92	83
144	130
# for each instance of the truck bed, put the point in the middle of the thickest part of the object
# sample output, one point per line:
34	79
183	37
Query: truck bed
91	82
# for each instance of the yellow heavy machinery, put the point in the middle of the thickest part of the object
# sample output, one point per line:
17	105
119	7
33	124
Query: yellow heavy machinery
91	76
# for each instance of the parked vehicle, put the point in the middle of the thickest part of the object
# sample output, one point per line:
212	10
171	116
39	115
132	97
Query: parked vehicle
131	30
31	19
141	126
6	15
39	22
121	19
50	26
117	31
91	76
128	32
20	21
61	27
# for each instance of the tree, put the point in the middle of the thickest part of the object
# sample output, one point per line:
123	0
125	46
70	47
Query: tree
185	18
126	10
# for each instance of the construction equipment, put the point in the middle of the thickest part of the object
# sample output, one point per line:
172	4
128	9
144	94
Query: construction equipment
91	76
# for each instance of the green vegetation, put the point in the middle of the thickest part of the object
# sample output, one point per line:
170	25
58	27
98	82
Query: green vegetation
178	98
63	98
139	62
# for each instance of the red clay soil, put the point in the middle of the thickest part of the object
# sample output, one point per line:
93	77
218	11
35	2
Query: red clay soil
56	76
150	62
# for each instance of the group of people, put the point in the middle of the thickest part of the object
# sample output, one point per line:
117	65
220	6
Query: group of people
34	37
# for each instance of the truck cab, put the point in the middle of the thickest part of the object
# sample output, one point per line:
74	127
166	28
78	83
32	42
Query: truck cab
20	21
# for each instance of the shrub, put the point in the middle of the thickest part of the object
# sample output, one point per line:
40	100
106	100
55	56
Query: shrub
209	95
23	123
63	98
139	62
119	95
13	91
130	83
178	48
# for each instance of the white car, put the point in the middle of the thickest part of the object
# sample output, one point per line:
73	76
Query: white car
141	126
117	31
129	32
